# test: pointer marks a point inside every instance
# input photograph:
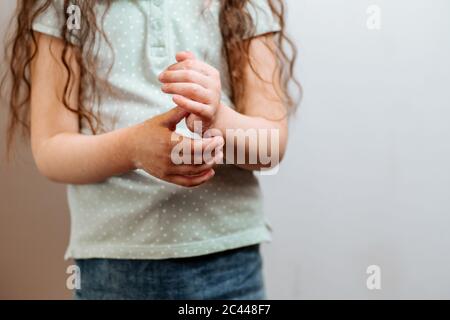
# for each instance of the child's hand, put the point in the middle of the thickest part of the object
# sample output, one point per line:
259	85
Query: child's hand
152	144
196	87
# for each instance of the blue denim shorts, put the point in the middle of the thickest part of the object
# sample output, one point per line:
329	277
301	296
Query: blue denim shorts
230	275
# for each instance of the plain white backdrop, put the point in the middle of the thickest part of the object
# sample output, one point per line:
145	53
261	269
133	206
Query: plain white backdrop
366	180
367	177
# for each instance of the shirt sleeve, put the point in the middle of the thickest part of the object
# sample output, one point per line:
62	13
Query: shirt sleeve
52	20
263	18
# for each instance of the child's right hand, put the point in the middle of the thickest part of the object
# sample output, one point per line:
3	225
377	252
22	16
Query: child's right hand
152	144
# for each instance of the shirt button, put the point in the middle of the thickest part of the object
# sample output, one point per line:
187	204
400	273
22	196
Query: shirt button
157	41
157	3
157	25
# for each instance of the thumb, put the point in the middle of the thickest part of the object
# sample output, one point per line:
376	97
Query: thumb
173	117
184	55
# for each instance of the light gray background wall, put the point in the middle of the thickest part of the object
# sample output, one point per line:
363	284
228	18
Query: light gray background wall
367	177
365	182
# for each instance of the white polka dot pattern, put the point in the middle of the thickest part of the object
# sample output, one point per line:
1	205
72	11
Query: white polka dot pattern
136	216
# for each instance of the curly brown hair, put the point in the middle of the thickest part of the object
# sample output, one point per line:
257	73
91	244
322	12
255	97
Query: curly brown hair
236	24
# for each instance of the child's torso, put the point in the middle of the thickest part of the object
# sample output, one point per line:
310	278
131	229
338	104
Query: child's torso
136	215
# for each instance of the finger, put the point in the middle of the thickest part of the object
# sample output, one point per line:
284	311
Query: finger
189	90
172	117
185	76
184	55
197	65
215	156
192	170
191	151
219	158
191	182
213	143
200	146
197	146
202	150
211	132
196	152
213	153
202	110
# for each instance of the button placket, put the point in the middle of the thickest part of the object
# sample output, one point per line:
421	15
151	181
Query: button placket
157	29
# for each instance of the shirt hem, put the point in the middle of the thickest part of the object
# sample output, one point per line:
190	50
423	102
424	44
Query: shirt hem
159	252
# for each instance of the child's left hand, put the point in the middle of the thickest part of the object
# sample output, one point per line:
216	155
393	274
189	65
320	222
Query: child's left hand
196	87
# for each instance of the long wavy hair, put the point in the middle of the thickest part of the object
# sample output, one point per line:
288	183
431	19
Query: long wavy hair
236	24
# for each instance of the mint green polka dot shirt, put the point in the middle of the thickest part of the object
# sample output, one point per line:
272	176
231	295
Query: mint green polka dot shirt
136	216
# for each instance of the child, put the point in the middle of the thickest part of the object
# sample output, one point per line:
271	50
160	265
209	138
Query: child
114	87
